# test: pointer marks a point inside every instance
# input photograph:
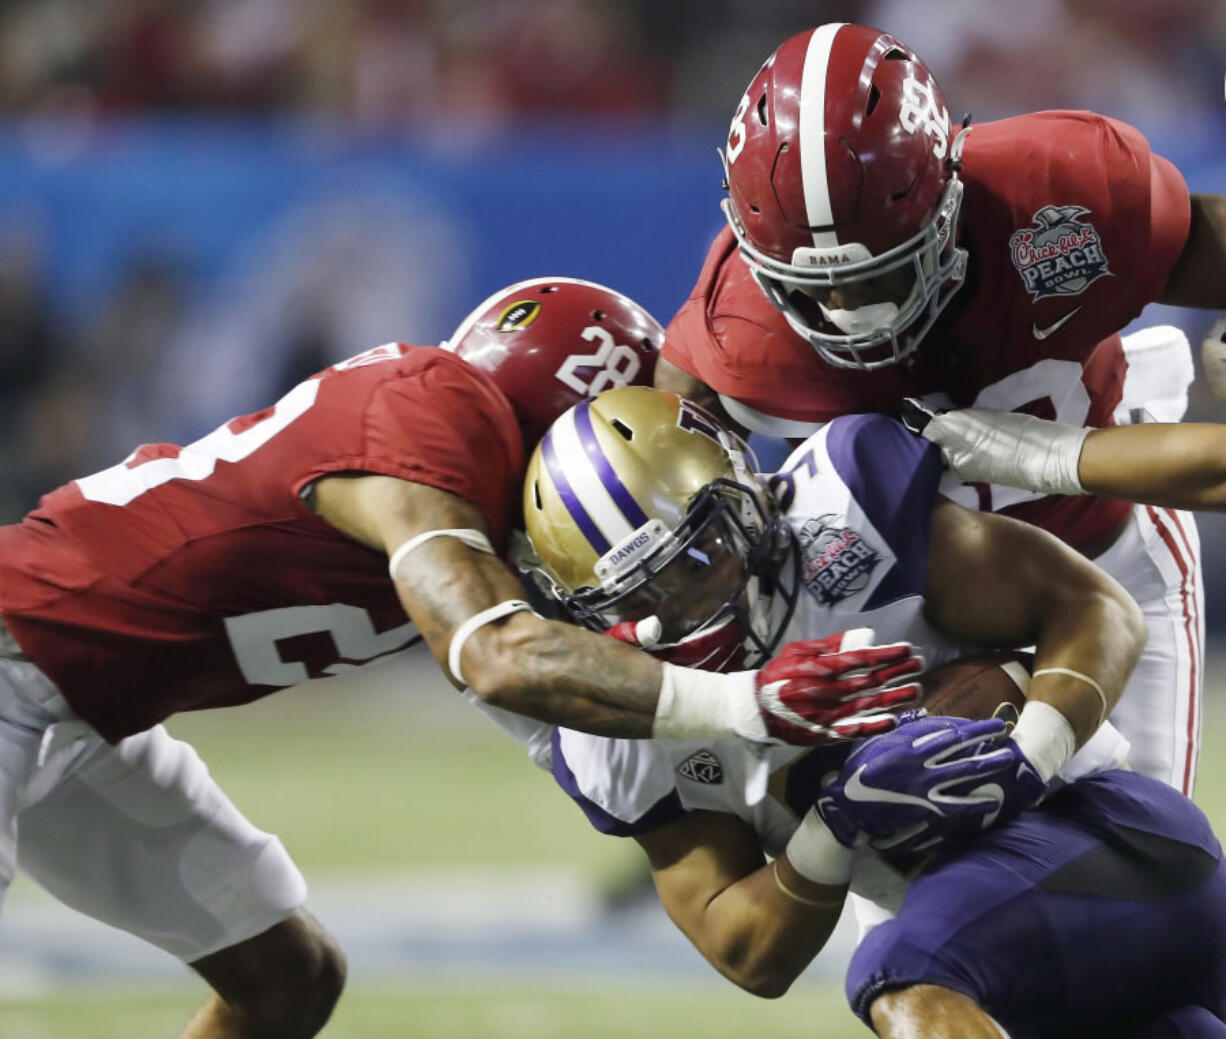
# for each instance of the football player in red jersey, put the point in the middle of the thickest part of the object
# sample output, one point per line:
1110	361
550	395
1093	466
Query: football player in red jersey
875	250
256	558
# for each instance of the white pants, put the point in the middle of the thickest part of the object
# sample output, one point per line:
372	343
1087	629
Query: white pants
1157	559
136	835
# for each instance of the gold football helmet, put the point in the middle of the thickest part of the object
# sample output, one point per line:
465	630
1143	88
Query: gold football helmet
640	504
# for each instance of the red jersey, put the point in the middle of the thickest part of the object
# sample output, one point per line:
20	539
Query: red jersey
1072	225
195	577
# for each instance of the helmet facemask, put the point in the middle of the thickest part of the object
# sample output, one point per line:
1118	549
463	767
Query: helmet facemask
930	263
717	566
702	565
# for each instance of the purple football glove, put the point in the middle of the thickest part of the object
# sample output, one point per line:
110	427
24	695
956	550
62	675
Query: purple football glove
931	779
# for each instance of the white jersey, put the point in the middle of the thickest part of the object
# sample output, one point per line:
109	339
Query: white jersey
858	496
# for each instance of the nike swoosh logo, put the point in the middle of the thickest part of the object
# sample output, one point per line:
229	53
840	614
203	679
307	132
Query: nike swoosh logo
1055	326
855	789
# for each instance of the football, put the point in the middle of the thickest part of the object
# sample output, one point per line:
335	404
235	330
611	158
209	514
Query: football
975	686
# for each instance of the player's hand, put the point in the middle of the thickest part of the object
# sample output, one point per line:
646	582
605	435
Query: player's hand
932	779
836	688
720	648
981	445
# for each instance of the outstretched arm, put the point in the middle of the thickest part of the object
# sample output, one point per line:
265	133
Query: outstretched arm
1179	465
714	882
552	671
565	675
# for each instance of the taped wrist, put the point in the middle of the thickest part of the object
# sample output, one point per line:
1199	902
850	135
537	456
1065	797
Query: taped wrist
1007	448
816	855
697	705
1045	737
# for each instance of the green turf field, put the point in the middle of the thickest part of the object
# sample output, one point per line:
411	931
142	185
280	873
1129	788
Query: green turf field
532	1012
407	777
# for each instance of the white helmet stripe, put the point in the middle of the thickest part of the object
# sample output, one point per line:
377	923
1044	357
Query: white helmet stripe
585	482
813	133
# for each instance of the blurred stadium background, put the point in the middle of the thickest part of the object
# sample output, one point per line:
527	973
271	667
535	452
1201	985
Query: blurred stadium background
203	200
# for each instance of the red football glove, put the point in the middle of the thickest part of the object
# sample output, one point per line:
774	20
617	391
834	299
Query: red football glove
836	688
815	691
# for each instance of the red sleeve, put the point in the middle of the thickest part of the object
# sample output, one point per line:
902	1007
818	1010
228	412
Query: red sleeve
1171	214
447	426
1121	214
1150	211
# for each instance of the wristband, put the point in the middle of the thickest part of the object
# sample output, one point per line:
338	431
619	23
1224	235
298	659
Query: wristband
795	896
478	620
696	705
1045	737
472	538
1092	683
816	855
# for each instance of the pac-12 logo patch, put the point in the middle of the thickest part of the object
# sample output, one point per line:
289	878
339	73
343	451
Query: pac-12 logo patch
1059	254
702	767
837	561
518	315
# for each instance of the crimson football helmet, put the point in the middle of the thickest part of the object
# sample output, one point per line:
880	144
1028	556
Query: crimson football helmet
842	174
550	342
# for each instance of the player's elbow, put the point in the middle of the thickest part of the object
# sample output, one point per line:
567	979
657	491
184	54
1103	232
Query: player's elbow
752	966
767	986
762	980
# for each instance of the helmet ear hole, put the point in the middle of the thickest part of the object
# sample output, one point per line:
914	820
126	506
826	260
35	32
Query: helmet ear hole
874	95
536	494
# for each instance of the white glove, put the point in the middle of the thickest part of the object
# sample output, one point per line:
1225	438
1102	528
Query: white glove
1004	447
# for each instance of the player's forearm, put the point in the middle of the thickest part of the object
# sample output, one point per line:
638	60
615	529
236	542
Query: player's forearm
760	937
1173	464
1181	465
568	676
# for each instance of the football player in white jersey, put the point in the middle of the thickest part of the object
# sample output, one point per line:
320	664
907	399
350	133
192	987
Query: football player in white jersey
856	522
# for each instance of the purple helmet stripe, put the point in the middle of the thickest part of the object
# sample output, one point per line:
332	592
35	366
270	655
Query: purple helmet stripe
571	500
622	498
